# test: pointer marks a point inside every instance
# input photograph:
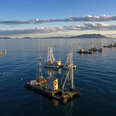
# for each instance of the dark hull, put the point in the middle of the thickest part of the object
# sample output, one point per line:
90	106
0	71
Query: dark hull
85	52
53	66
110	46
91	51
67	96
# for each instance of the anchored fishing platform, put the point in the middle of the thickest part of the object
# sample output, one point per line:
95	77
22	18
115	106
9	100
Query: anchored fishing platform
52	63
110	45
61	89
91	50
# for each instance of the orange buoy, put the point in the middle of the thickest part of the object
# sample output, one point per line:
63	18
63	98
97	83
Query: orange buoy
0	53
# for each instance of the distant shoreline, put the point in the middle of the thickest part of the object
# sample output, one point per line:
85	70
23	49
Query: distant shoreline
83	36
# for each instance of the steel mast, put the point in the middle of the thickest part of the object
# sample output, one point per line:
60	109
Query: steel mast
69	79
69	72
39	74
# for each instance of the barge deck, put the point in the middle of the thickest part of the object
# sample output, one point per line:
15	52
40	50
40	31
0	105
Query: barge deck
61	95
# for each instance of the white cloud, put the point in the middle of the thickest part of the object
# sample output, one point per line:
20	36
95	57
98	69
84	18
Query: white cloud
83	27
101	18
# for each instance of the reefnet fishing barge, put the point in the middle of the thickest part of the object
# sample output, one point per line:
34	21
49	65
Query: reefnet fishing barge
53	87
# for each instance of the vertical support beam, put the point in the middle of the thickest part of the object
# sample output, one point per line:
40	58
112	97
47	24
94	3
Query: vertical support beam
72	79
39	74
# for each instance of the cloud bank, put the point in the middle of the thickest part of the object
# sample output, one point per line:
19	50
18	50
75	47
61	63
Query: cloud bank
89	18
84	27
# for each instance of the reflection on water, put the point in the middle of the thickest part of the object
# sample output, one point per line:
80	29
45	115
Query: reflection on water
94	77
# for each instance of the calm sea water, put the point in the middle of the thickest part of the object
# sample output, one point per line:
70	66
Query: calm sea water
95	78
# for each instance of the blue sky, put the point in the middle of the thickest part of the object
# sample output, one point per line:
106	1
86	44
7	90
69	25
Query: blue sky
27	9
14	10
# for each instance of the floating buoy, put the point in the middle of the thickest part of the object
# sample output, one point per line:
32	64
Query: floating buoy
0	53
5	51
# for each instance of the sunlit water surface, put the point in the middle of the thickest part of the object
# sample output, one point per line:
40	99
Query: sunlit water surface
95	78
